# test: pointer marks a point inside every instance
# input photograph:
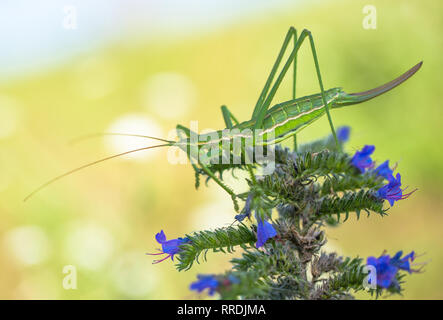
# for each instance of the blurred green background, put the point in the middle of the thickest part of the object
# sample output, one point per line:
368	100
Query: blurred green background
146	80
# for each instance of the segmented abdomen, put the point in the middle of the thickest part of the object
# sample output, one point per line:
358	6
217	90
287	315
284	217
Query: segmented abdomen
285	118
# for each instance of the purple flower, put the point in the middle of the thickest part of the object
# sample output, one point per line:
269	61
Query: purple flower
265	231
384	171
169	247
343	133
205	282
362	160
387	267
392	191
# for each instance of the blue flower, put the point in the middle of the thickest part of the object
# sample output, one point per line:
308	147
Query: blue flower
343	133
265	231
403	263
169	247
384	171
385	271
387	267
246	210
392	191
362	160
205	282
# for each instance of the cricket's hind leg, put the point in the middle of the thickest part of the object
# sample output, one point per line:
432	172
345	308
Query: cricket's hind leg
294	78
264	103
291	34
317	68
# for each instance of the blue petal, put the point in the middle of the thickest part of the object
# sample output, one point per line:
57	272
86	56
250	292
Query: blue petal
265	231
160	237
403	263
241	217
361	159
385	278
205	282
372	261
171	246
410	256
343	133
397	255
384	171
368	150
392	191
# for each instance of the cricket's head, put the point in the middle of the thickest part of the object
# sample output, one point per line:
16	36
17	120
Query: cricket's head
346	99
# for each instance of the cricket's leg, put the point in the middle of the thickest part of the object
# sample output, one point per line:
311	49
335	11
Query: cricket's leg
184	129
260	115
188	133
219	182
294	78
227	115
317	67
264	93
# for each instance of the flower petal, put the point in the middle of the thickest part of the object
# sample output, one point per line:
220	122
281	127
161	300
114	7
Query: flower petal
160	237
265	231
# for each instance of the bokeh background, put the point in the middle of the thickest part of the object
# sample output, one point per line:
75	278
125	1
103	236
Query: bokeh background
73	68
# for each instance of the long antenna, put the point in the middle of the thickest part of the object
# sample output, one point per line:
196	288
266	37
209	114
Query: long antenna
93	135
88	165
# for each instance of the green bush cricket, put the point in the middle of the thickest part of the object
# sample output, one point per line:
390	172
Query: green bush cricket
283	120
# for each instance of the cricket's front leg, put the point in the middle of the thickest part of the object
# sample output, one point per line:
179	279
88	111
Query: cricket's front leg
187	132
221	184
227	116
